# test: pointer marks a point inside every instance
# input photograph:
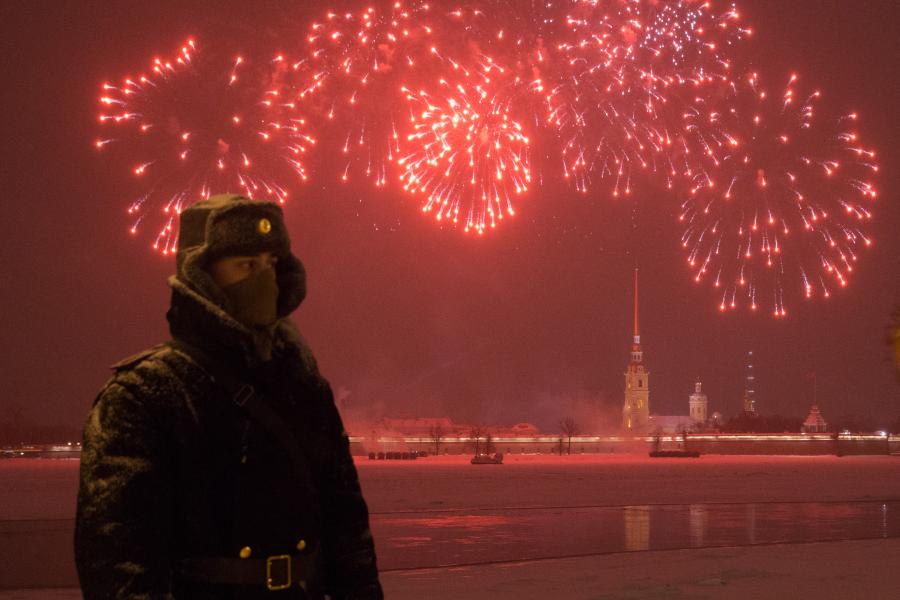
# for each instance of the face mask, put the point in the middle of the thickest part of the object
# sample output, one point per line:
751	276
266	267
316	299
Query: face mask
254	299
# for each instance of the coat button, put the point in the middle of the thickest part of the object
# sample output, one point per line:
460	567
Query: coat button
245	552
301	545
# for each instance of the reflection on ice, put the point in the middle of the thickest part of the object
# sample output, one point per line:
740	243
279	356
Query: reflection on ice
436	538
637	528
698	518
441	538
751	523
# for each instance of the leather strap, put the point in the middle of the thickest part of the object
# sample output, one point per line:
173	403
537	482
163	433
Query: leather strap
251	571
244	396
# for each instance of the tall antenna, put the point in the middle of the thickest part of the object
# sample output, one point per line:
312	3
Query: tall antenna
749	385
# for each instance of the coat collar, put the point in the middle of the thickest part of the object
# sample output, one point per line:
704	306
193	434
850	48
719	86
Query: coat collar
203	323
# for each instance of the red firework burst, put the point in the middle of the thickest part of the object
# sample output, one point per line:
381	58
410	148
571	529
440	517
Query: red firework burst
355	65
783	205
466	154
203	123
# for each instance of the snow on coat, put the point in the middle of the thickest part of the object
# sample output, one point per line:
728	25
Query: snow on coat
171	468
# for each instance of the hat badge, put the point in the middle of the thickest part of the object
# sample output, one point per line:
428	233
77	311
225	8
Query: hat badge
264	226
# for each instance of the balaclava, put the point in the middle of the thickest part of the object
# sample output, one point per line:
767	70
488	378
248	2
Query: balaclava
232	225
254	299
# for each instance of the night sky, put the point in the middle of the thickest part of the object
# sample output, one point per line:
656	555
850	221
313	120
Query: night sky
529	323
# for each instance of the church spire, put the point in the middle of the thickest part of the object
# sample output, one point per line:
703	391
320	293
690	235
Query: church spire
637	328
637	356
636	411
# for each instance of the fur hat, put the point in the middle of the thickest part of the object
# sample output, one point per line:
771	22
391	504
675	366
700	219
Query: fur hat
233	225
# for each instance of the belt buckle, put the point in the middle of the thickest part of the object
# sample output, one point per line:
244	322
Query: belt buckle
271	585
243	394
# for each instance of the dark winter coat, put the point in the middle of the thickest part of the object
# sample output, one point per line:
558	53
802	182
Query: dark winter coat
171	468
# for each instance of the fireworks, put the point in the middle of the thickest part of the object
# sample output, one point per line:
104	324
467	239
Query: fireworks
681	39
610	138
201	124
593	76
647	45
354	67
527	43
783	205
628	64
467	155
466	105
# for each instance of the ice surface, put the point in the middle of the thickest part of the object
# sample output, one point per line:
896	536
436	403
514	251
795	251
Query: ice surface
616	480
46	489
852	570
508	522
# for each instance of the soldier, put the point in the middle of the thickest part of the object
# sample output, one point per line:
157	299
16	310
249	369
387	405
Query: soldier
216	465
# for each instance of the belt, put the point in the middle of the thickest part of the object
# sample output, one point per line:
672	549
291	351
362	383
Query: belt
277	572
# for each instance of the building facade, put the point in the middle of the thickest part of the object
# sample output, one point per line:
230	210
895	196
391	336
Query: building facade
815	422
698	403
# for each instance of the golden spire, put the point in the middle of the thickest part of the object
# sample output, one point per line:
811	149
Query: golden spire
637	356
637	329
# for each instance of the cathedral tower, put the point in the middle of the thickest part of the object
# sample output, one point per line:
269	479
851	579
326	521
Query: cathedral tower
698	403
636	412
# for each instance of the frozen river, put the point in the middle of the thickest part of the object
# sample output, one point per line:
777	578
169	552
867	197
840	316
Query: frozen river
418	540
439	512
451	538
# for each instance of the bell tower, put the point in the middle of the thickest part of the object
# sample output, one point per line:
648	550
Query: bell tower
636	412
698	403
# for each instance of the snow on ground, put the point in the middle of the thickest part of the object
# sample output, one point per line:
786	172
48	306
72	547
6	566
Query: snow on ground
852	570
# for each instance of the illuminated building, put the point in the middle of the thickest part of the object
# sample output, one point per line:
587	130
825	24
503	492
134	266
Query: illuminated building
698	403
636	416
636	412
814	423
671	424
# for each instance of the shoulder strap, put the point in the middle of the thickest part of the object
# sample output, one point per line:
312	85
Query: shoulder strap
244	396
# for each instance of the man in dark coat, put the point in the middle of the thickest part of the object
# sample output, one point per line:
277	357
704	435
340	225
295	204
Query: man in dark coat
216	465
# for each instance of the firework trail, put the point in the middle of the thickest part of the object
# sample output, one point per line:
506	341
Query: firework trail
466	154
629	63
594	77
201	124
522	43
677	40
782	207
608	137
354	67
642	47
